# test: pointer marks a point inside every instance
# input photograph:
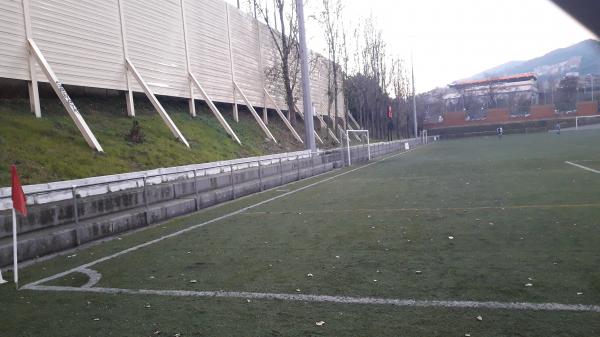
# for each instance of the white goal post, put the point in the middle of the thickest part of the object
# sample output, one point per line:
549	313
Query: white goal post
357	132
584	117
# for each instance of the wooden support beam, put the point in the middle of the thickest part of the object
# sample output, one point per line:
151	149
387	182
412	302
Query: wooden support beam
256	116
32	85
161	111
315	132
192	103
260	68
235	105
129	92
214	109
331	134
354	121
64	97
283	118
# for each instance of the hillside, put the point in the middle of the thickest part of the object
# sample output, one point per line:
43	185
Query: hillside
584	57
51	148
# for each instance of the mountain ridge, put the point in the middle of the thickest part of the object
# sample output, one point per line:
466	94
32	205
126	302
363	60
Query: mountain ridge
582	57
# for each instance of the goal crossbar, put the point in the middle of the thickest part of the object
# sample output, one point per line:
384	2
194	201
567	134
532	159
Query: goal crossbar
583	117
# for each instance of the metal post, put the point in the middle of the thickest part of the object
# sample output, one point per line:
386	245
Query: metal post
348	147
196	190
592	87
144	191
75	210
298	161
232	180
260	177
280	173
342	146
368	146
309	128
414	94
15	248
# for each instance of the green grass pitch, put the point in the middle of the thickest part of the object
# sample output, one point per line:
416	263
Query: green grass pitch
478	219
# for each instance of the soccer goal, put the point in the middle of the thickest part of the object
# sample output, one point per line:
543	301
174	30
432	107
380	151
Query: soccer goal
360	152
582	121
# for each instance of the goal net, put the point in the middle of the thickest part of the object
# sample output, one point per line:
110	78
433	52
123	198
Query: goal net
587	122
356	147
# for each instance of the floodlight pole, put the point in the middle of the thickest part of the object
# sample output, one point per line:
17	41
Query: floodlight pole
306	99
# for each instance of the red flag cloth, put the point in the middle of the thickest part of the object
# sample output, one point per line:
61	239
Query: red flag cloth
389	111
18	197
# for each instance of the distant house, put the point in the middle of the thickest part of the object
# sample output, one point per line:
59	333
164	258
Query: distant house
515	92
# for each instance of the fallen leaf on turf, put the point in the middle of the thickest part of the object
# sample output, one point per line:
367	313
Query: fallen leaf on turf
320	323
479	318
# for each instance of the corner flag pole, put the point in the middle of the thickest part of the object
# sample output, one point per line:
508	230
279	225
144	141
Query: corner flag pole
19	203
15	262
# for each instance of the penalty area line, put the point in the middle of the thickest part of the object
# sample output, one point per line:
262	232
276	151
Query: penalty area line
332	299
582	167
213	220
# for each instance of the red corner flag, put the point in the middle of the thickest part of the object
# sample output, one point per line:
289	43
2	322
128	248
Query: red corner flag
18	197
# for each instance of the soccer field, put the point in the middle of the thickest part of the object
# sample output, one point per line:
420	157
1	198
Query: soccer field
418	244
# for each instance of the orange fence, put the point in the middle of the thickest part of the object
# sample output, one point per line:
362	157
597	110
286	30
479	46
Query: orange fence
502	115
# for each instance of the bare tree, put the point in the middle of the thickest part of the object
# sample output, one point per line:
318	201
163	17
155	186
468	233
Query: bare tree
330	19
285	40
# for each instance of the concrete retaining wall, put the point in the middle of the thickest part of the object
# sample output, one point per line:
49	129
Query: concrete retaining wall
64	224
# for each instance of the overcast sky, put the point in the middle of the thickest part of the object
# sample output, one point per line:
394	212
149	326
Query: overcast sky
455	39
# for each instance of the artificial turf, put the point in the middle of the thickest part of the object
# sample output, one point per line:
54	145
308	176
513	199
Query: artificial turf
478	218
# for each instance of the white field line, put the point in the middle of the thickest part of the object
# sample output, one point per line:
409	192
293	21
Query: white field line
583	167
228	215
332	299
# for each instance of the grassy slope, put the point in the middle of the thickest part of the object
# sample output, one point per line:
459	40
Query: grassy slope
51	148
493	254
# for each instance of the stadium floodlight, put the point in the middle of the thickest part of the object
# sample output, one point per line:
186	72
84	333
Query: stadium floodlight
358	132
595	120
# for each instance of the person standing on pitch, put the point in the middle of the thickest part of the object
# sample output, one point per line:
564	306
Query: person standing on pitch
557	127
390	123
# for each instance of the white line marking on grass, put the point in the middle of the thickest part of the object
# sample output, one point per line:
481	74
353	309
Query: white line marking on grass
427	209
333	299
94	277
583	167
228	215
